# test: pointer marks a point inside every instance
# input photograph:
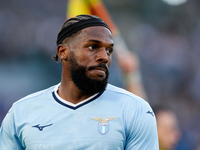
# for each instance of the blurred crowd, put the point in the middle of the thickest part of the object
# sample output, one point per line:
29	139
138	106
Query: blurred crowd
166	39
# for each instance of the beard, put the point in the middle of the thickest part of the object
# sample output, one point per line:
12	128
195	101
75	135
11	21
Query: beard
82	81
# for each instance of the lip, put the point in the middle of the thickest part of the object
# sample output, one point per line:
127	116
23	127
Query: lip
100	71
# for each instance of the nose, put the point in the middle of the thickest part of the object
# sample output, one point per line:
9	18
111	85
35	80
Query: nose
102	56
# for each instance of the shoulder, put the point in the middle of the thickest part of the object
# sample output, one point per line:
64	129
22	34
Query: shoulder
35	97
124	95
132	105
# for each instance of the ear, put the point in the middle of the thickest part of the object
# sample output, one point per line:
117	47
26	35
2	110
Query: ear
62	51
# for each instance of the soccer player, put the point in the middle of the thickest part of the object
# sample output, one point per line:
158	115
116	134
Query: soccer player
83	111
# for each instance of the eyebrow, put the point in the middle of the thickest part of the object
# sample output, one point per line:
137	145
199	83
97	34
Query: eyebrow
97	41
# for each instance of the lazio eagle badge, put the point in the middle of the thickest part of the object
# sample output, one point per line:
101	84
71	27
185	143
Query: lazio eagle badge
103	125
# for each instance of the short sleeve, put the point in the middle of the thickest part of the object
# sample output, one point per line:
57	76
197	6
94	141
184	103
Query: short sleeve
8	136
142	129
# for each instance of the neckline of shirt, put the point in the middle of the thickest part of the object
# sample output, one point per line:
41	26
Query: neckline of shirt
69	104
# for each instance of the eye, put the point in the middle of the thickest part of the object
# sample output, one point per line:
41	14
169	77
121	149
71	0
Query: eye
109	50
93	47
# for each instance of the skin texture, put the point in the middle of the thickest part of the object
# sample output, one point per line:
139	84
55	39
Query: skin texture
92	47
168	131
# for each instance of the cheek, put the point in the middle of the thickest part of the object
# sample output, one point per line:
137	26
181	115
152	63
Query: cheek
83	59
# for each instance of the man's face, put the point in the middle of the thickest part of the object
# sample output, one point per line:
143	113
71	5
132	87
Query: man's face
89	59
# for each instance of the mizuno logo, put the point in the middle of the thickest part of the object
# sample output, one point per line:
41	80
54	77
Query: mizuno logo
150	112
41	127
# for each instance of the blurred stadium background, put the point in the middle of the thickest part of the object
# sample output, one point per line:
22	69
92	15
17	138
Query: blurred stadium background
165	36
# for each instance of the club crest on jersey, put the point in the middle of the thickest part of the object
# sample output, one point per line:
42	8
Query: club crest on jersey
103	126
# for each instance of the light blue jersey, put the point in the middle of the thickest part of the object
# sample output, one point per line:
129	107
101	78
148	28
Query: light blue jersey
112	120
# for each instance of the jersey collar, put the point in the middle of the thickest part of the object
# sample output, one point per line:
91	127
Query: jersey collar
71	105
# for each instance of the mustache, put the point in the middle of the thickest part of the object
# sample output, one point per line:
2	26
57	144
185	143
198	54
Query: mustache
99	65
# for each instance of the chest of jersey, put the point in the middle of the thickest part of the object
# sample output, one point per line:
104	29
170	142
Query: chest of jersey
63	128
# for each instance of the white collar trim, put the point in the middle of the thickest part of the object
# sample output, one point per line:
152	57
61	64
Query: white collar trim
69	103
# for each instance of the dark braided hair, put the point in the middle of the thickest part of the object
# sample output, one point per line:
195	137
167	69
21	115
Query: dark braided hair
70	22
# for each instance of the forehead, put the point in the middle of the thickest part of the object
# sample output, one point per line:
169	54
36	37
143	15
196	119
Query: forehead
97	32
